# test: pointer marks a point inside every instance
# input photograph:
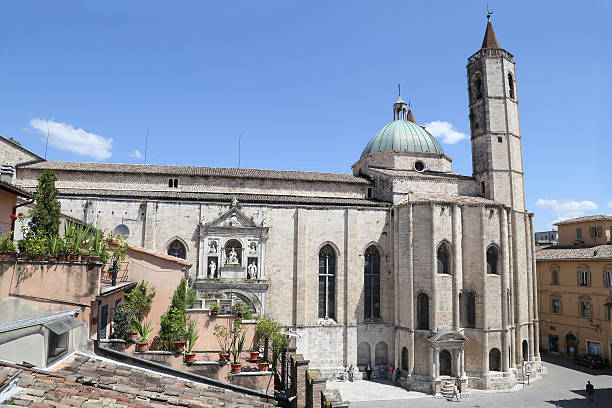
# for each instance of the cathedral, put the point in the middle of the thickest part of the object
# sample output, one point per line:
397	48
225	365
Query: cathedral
401	262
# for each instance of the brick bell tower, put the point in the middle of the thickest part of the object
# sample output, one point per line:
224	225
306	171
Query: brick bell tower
497	159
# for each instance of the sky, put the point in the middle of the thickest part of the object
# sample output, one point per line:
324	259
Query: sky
304	85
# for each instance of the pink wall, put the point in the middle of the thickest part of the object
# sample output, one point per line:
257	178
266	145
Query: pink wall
206	326
162	274
7	202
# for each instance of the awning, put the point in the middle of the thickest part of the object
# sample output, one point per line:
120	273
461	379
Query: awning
64	325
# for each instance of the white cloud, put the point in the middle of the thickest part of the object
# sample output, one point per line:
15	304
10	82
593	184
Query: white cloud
136	153
445	131
65	137
566	209
610	204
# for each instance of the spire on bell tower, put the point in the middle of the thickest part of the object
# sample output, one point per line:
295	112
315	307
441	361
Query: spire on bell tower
489	40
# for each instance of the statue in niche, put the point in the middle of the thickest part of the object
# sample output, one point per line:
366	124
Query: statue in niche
212	247
212	268
252	271
234	202
232	257
252	248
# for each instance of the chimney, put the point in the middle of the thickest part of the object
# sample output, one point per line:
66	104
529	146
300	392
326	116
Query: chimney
7	173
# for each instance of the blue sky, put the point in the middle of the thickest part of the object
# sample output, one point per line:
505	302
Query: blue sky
306	84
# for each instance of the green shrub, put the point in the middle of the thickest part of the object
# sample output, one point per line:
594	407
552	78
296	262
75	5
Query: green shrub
122	321
173	324
7	245
139	300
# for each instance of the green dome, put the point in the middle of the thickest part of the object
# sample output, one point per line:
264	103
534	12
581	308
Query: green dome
403	135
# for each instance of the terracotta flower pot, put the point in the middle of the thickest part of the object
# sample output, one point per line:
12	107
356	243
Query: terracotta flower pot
179	345
131	335
73	258
262	366
254	355
62	257
189	357
52	258
39	257
142	346
24	256
235	368
214	314
94	258
85	258
224	356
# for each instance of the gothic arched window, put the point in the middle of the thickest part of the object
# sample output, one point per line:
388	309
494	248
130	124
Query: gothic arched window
371	272
444	259
423	312
327	282
511	85
477	86
493	260
177	249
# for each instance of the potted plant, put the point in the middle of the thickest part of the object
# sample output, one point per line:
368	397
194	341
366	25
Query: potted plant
214	309
238	334
8	252
55	244
96	246
192	336
262	365
265	329
223	334
179	344
36	245
143	329
243	311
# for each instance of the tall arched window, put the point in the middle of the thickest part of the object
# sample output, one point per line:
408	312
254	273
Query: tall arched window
493	260
477	86
372	284
404	358
444	259
511	85
327	282
177	249
525	350
423	312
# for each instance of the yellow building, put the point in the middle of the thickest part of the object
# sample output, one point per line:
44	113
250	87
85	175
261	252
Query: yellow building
575	288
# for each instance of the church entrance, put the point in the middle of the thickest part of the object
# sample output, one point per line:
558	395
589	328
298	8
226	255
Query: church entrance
445	363
571	343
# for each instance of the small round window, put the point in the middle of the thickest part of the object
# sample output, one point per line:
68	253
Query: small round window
419	166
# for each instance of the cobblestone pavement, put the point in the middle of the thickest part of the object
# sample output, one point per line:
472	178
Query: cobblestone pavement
564	384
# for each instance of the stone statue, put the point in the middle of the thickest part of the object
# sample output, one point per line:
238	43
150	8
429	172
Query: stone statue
212	267
252	247
212	247
252	271
234	202
232	258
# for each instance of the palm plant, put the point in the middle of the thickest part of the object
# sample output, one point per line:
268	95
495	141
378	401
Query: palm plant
192	335
144	329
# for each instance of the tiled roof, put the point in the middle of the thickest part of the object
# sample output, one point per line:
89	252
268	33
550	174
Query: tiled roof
160	256
445	199
598	252
14	190
83	381
218	197
489	40
418	174
585	219
197	171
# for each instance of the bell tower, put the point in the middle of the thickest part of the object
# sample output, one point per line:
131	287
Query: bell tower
497	160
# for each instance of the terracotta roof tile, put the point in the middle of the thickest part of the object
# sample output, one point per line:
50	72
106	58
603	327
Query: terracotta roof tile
490	40
446	199
598	252
197	171
585	219
90	382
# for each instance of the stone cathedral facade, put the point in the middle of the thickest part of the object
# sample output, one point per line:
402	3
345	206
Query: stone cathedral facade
402	262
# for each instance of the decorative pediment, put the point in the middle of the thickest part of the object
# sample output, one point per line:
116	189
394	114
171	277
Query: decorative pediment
233	218
447	335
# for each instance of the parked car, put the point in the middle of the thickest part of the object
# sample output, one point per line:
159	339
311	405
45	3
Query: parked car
591	361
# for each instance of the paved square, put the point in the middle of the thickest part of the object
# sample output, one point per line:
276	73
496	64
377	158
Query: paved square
564	384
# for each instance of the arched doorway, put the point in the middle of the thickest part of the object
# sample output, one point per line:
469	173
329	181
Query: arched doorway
381	354
495	360
445	363
525	350
404	358
571	342
363	353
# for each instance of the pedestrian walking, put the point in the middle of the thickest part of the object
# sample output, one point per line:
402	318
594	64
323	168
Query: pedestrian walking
572	352
350	370
369	371
390	373
590	390
455	392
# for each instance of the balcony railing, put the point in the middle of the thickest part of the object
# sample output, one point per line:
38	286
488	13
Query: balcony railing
491	52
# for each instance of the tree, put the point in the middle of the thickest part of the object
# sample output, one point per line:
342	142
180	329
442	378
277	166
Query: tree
45	216
173	324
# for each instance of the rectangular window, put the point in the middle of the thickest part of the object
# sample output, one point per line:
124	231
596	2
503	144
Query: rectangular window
1	230
555	277
607	308
595	232
607	279
369	192
578	233
594	348
585	309
583	277
499	139
555	306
